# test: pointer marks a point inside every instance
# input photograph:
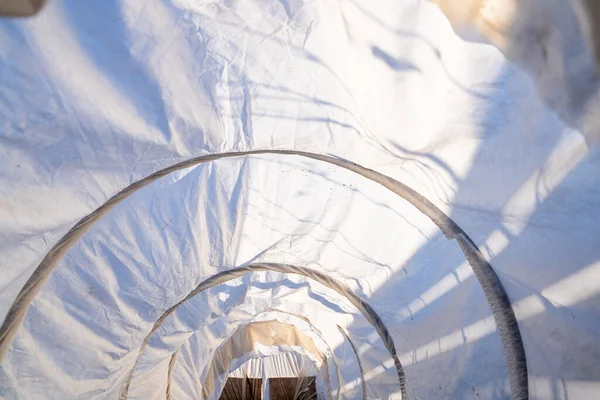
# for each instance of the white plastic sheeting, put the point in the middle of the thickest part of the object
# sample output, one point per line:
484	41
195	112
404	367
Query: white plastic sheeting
99	95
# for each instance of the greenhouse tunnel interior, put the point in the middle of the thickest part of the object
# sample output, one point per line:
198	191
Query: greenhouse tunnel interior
299	199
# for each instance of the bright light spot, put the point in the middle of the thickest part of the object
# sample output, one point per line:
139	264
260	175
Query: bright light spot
449	342
574	289
545	388
540	184
445	285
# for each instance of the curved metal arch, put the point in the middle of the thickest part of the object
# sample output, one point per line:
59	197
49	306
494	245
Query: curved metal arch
363	383
493	289
172	362
360	304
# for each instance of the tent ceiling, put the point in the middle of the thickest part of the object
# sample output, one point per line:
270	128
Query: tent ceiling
149	146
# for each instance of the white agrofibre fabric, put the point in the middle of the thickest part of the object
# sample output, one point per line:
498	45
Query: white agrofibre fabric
98	95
